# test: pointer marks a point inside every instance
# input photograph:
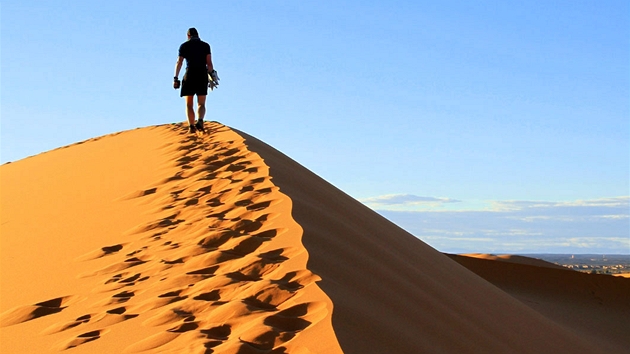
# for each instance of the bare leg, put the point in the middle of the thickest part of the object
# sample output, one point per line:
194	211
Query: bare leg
190	111
201	107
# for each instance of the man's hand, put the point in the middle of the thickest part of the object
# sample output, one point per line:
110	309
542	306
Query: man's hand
213	81
176	83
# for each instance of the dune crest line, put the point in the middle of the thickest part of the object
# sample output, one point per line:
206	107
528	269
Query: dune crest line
219	269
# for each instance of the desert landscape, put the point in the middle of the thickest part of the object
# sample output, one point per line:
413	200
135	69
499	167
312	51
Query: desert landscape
155	240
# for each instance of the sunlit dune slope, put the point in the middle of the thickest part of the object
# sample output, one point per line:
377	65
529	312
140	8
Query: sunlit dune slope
154	240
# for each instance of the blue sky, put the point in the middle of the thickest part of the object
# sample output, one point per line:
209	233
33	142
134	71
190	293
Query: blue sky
444	109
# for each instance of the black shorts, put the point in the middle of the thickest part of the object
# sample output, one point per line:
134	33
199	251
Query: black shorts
195	82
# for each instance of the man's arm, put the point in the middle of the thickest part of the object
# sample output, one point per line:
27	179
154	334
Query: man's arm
178	66
209	62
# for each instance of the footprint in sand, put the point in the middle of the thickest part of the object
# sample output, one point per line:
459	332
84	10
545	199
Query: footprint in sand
268	299
296	280
214	295
82	339
139	194
102	252
185	160
187	326
27	313
121	297
264	339
116	267
298	317
56	328
173	296
216	336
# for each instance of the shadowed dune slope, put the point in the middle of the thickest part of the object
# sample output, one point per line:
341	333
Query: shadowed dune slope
394	294
595	306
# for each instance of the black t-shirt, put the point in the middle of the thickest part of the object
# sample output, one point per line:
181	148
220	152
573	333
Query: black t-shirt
194	51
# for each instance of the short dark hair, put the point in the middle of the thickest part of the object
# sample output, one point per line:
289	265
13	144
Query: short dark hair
192	31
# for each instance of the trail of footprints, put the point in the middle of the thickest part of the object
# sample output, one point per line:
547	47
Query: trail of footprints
206	271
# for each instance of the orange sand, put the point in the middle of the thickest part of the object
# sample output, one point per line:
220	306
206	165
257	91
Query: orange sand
156	241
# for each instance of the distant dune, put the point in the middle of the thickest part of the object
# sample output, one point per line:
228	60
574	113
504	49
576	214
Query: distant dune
157	241
514	259
595	306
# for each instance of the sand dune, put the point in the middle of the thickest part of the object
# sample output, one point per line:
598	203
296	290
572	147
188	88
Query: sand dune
514	259
595	306
157	241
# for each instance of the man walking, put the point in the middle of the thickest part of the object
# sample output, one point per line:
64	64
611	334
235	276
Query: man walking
195	81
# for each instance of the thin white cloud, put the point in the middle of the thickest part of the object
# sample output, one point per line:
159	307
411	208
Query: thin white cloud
614	216
460	239
390	200
512	205
537	218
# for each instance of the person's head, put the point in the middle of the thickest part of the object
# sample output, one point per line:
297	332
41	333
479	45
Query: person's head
192	33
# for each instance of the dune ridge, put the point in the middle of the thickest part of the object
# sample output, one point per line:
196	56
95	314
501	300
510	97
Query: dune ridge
514	259
216	267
